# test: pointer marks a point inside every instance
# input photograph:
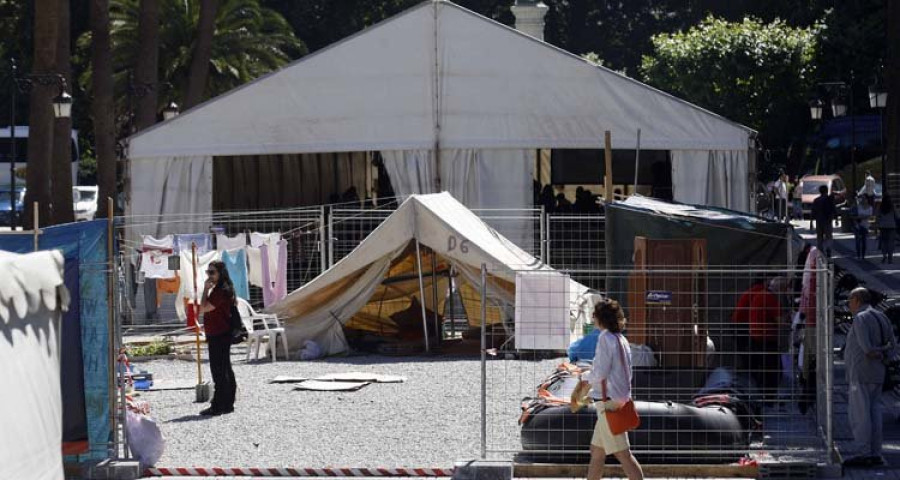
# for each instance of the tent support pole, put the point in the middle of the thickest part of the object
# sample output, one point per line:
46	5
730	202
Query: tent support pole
422	296
483	361
434	292
608	178
637	159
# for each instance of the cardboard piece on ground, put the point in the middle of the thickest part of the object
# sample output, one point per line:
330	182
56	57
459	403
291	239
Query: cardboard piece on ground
288	379
361	377
318	386
343	377
161	385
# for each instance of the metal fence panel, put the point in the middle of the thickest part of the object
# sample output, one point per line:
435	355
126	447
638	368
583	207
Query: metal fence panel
711	387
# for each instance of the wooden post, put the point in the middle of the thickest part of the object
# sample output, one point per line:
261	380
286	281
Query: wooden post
37	225
110	320
196	308
608	180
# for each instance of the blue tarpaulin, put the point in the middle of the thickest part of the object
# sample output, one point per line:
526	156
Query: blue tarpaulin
83	245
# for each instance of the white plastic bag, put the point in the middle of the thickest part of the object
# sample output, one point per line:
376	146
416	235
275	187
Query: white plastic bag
145	439
311	350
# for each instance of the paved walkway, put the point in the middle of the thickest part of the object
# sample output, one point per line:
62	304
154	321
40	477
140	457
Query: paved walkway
886	279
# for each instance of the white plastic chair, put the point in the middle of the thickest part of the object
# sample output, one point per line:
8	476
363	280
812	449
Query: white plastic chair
271	330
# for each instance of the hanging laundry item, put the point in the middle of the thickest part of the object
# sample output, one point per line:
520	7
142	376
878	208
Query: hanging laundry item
183	242
254	266
274	272
259	239
167	285
224	242
155	256
155	264
236	264
162	243
188	274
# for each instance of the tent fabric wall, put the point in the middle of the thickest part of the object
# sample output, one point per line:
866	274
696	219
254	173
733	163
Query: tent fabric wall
163	188
32	298
85	242
711	177
477	178
319	309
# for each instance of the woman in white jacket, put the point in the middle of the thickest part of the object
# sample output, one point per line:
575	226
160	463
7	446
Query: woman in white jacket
608	368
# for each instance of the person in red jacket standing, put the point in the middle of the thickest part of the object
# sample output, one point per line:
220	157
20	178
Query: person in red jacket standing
218	297
758	315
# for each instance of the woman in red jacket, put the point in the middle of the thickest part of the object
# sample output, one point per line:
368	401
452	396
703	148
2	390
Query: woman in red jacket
218	297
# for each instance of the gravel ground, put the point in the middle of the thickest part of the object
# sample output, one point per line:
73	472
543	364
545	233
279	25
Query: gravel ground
433	419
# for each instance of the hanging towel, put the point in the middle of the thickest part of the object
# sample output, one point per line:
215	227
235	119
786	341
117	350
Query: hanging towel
236	264
162	243
254	266
183	243
259	239
187	273
224	242
274	279
168	285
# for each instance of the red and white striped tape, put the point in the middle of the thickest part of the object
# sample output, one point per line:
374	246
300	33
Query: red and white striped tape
298	472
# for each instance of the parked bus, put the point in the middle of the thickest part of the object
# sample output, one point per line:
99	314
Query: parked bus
22	155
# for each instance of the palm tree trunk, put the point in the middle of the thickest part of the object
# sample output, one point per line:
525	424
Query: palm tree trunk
104	128
61	168
40	132
199	72
146	68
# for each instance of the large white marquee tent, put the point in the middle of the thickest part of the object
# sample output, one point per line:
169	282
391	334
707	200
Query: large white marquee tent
453	101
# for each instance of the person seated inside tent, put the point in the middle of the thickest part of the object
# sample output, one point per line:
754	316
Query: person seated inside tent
409	322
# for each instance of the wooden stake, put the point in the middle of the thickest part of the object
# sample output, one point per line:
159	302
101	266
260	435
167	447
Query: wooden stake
37	228
110	314
196	308
608	181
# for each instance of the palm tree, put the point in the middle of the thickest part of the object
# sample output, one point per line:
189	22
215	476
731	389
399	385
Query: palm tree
61	163
102	106
249	41
201	53
146	69
40	134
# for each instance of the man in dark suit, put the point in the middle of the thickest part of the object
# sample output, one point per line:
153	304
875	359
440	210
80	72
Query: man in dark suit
823	212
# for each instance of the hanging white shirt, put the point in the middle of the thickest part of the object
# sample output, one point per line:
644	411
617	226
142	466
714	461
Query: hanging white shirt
257	239
187	273
224	242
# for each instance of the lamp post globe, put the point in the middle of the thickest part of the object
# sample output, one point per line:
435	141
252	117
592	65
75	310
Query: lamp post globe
170	111
839	107
877	96
815	109
62	105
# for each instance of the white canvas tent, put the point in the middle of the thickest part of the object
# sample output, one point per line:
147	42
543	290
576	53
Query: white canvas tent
359	291
454	101
32	298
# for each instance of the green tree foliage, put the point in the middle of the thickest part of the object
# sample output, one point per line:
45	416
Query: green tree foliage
323	22
758	74
250	40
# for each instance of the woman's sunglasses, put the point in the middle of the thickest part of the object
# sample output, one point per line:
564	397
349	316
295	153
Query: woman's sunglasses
210	272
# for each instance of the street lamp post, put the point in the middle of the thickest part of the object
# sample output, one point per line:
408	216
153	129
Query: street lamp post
62	108
878	101
841	93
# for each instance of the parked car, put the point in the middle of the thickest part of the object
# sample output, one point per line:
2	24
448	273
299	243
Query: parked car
809	190
85	199
5	212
